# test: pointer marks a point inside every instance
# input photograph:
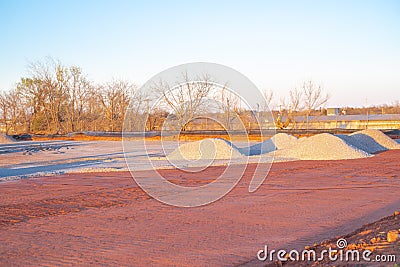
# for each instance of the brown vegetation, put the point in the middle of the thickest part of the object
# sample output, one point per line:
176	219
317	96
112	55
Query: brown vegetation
58	99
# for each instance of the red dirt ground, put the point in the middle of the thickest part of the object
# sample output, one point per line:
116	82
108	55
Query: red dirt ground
371	236
105	219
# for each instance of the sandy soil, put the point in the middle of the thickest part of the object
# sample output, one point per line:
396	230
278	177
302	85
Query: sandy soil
104	218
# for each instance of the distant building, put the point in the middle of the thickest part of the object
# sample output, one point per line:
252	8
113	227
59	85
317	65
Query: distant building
332	111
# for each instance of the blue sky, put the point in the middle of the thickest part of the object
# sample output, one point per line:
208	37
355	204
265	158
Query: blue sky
351	47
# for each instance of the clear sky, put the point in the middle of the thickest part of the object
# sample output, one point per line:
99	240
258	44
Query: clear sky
351	47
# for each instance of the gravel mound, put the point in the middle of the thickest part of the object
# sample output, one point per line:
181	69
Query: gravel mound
318	147
322	147
375	138
278	141
4	139
210	148
362	142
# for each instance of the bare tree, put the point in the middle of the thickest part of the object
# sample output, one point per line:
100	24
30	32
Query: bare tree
229	105
295	98
78	91
137	117
12	112
50	76
268	96
115	98
15	111
313	97
155	119
185	100
33	93
289	108
45	92
4	109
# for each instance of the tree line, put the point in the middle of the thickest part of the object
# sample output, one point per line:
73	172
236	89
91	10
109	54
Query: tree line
58	99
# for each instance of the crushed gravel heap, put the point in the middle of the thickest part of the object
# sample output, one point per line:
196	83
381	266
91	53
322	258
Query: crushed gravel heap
371	141
362	143
372	137
210	148
322	147
278	141
318	147
4	139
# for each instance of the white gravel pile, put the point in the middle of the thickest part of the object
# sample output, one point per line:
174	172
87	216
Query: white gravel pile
210	148
371	141
278	141
322	147
4	139
361	142
375	138
318	147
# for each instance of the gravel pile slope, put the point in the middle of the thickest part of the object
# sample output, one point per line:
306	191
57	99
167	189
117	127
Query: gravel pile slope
372	137
322	147
278	141
210	148
362	142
